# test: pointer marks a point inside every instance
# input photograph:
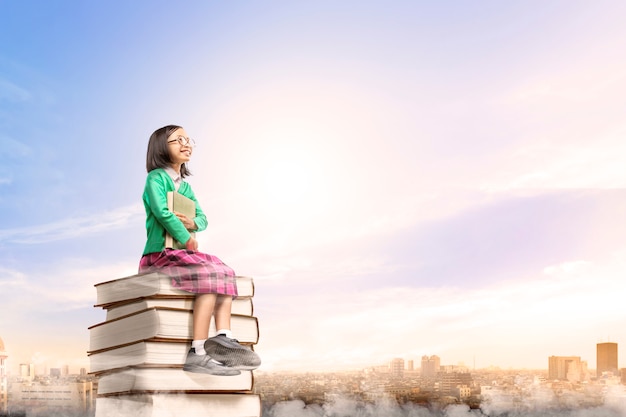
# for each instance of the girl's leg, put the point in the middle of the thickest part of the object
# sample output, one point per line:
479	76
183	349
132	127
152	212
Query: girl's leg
222	309
224	347
202	311
197	360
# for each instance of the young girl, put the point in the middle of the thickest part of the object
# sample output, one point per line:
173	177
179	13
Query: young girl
213	282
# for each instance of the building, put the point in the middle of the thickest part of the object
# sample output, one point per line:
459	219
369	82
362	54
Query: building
606	359
462	392
567	368
3	379
430	365
27	371
397	367
63	397
410	365
449	383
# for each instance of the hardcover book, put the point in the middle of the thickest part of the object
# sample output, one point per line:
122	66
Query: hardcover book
143	353
241	305
179	203
148	353
176	405
144	285
140	380
162	323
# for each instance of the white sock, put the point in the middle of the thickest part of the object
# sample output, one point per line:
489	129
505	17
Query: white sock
198	347
226	332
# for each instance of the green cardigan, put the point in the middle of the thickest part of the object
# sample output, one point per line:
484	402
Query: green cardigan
159	218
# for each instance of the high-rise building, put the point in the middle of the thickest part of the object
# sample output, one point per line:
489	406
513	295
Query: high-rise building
606	358
397	367
430	365
567	368
410	365
3	379
27	371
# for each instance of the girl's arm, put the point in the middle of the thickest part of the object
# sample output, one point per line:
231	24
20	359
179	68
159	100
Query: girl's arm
200	219
156	194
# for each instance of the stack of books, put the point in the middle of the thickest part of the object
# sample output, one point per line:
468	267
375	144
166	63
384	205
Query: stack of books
139	350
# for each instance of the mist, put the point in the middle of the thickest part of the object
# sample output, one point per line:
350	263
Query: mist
535	406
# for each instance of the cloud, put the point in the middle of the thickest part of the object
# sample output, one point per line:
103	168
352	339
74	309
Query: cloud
537	404
572	267
71	228
348	329
63	286
12	92
10	148
595	164
54	304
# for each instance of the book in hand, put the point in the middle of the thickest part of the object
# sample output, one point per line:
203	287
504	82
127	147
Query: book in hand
176	405
241	305
153	283
148	379
181	204
162	323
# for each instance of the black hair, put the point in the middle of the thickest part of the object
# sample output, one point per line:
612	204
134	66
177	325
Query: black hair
158	155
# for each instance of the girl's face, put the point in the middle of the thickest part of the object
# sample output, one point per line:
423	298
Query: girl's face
180	146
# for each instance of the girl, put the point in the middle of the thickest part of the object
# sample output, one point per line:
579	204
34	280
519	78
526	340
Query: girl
213	282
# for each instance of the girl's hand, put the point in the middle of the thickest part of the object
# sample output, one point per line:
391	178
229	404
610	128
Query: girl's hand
187	222
192	244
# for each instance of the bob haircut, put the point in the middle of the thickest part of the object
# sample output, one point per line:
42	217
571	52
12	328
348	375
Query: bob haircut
158	155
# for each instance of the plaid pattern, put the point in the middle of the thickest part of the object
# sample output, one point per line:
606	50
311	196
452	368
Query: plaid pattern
192	271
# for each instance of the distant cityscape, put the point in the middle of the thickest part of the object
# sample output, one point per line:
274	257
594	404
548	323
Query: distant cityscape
567	383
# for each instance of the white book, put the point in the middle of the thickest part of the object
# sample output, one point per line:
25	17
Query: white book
162	323
179	203
241	305
179	405
151	353
145	380
146	285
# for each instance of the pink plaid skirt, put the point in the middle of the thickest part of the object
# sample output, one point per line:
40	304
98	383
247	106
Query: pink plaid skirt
192	271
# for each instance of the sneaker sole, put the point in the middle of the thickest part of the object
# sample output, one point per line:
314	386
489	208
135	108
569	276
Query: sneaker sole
202	370
241	359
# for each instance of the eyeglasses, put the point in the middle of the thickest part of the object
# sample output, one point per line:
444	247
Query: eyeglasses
183	141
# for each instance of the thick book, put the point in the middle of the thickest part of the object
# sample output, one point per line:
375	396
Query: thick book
142	353
176	405
149	284
148	380
241	305
180	203
162	323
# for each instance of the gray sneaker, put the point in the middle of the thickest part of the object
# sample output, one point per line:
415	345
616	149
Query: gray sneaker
229	352
204	365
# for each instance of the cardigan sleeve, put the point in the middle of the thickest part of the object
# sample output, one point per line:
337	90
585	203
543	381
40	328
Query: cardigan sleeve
156	194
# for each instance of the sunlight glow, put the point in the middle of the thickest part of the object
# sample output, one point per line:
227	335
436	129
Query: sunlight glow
292	181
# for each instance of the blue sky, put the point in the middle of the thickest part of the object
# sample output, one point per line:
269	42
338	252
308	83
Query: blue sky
398	177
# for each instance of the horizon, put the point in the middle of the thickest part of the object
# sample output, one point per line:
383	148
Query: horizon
14	371
399	179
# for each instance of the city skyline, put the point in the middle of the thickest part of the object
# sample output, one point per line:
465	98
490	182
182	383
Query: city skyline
433	363
399	179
